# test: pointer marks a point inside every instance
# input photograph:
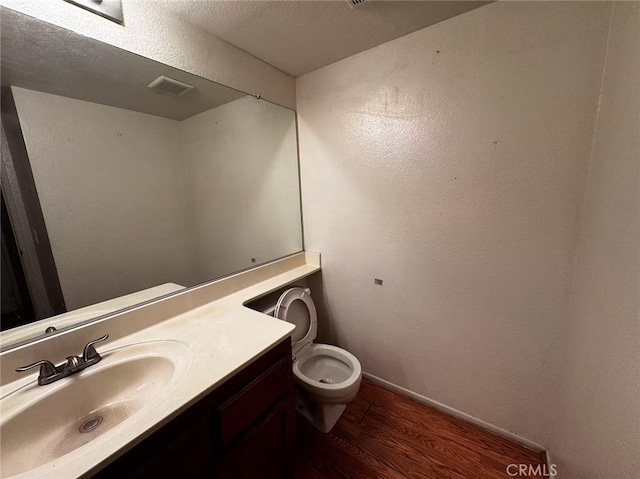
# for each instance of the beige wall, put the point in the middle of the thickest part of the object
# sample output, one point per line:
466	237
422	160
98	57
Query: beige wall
451	163
121	172
151	32
242	165
596	431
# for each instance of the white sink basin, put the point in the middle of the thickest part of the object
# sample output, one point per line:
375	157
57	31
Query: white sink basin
43	423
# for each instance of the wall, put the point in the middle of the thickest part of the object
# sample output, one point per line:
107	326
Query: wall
597	420
451	163
123	173
205	195
152	33
252	144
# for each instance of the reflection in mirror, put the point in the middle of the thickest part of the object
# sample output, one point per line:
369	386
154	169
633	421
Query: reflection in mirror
124	179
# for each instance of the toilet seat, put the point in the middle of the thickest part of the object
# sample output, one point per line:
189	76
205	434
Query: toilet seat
296	307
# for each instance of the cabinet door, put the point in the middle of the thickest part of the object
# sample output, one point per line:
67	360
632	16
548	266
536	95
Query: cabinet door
236	415
265	452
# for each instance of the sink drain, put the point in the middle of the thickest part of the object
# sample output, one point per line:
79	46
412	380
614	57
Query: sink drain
91	424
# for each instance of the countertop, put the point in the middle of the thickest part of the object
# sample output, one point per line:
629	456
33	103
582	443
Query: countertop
224	336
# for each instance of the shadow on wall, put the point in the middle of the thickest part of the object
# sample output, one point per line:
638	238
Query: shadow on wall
325	318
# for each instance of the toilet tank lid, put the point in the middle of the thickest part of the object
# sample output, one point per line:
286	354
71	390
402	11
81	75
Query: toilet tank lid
296	307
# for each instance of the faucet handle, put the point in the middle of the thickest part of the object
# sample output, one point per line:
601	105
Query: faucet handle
46	368
90	351
73	364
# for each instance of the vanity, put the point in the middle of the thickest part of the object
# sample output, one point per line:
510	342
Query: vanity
145	203
193	385
243	429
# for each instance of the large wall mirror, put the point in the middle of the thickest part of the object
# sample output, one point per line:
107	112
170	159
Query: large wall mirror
124	179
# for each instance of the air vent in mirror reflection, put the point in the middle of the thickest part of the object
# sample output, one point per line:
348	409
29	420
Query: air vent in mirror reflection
170	86
354	3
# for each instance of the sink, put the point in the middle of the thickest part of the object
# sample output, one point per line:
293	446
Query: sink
44	423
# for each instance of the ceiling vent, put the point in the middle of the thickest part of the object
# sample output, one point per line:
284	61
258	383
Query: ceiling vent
169	85
354	3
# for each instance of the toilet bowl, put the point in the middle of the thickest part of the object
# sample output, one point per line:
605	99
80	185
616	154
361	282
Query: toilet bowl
327	377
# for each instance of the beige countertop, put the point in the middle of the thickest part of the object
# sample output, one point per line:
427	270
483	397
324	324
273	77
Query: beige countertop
222	334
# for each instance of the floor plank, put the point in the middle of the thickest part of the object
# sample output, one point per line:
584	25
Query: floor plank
331	456
383	434
458	434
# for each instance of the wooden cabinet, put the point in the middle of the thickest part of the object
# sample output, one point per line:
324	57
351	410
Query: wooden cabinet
263	451
243	429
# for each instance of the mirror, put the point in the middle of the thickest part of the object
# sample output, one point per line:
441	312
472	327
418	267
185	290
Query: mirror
124	179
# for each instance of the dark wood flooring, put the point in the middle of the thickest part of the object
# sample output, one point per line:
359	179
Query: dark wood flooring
383	434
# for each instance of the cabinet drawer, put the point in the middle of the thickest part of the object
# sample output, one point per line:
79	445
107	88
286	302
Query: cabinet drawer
236	414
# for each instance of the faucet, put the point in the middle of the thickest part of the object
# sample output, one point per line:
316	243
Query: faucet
50	373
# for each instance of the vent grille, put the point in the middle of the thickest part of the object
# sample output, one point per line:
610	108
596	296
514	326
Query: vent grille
354	3
170	86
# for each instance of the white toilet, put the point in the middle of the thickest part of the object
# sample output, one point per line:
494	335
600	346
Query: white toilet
327	377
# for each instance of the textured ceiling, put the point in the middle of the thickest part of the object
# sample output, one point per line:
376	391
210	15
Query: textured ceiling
298	36
40	56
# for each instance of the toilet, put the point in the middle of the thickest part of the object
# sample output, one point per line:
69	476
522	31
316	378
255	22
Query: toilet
327	377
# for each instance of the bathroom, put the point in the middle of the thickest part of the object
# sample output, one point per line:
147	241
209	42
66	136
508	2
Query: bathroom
438	201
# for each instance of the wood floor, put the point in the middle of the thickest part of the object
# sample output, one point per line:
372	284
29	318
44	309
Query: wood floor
385	435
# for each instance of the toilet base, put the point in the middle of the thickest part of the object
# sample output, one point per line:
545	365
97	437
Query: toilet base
322	416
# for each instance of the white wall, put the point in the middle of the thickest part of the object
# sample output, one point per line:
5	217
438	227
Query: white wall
242	164
451	163
151	32
165	201
120	171
597	420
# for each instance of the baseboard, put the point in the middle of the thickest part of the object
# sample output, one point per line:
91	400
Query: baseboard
547	458
459	414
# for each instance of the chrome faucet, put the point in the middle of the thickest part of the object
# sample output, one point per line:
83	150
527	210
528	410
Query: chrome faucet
50	373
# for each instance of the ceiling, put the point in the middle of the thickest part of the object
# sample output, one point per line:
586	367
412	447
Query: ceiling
40	56
298	36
